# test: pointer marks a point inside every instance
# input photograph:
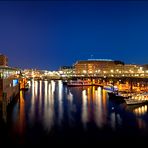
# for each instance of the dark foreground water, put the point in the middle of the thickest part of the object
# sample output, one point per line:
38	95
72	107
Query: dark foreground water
51	113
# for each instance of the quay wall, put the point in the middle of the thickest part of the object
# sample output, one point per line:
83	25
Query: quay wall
9	88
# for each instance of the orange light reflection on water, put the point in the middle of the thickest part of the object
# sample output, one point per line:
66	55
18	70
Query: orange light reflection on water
22	119
96	97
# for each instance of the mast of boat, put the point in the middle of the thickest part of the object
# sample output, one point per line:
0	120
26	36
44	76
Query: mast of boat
113	86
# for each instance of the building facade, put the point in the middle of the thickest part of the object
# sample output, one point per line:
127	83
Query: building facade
67	71
96	66
110	68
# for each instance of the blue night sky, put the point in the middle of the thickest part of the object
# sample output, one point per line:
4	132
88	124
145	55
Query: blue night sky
47	35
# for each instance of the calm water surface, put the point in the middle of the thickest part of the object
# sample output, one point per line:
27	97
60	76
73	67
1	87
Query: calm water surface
50	112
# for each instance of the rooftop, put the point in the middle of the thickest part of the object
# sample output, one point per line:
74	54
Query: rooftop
100	60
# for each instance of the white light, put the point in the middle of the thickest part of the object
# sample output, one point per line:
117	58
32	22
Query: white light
100	60
84	71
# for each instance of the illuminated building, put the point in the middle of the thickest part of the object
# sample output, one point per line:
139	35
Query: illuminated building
96	66
104	68
66	70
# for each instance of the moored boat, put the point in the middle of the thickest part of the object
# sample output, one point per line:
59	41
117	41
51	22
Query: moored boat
78	83
114	97
110	88
81	83
135	101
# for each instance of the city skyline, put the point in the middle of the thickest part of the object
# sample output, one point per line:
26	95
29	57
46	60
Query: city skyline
50	34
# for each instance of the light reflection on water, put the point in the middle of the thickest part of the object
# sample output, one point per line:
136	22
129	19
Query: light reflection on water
84	108
99	107
50	105
94	106
40	97
140	110
21	119
60	101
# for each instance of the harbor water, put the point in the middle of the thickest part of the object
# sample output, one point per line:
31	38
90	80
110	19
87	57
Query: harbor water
50	112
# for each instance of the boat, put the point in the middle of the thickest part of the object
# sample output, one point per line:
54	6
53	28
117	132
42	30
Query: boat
135	101
78	83
136	96
110	88
81	83
114	97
